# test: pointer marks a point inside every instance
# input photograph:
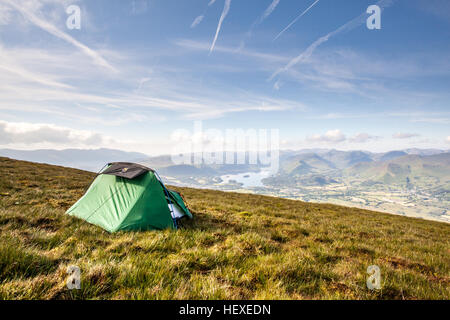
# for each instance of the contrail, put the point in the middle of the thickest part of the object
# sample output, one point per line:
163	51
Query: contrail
197	21
226	8
269	10
46	26
361	19
296	19
263	17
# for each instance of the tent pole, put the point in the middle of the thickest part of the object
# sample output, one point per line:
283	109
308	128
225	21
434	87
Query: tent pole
96	175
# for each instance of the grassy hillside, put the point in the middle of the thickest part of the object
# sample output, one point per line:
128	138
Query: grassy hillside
237	246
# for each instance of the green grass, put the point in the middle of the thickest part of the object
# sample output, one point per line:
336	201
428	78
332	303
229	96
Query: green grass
238	246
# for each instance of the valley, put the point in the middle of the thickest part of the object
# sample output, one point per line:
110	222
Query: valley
414	185
412	182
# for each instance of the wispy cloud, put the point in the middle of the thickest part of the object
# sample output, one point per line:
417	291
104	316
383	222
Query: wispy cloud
296	19
226	8
9	65
269	10
197	21
440	120
202	46
139	6
306	54
142	82
158	96
5	15
448	139
264	16
404	135
439	8
331	136
277	85
48	27
200	17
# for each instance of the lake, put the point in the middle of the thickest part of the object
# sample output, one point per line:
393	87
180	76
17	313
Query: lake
248	179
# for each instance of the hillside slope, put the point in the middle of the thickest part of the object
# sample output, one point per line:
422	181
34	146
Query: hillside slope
87	159
238	246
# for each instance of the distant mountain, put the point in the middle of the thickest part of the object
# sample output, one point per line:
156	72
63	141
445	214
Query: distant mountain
411	182
86	159
344	159
304	163
165	166
392	155
300	165
425	152
395	168
407	170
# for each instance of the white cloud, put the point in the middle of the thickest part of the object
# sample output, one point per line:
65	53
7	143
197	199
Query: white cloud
448	139
197	21
405	135
331	136
362	138
31	134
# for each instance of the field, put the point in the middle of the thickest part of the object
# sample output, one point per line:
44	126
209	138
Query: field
238	246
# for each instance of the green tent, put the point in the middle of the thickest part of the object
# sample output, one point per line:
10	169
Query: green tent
128	196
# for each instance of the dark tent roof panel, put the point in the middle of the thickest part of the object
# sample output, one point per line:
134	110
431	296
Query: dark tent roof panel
126	170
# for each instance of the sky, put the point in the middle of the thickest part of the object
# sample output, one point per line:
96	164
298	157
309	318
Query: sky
137	71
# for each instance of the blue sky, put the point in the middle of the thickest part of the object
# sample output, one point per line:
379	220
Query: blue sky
137	71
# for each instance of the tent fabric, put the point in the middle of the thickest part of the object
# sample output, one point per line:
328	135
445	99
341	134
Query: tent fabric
117	203
177	212
176	197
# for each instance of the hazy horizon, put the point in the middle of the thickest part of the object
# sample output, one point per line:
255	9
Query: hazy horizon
280	150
